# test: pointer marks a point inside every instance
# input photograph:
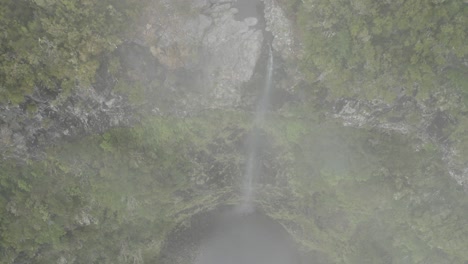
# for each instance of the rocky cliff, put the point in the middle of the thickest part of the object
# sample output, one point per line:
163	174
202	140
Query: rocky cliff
120	147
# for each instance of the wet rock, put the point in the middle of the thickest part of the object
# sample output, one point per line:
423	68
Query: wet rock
84	112
85	219
217	53
231	50
280	26
426	124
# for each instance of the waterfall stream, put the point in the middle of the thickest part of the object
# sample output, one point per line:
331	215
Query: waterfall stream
253	141
246	236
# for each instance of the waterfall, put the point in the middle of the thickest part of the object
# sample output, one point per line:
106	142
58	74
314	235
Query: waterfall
241	236
253	141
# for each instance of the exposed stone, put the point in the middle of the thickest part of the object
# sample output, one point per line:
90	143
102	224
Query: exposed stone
231	51
428	128
207	55
85	111
214	52
85	219
251	21
279	25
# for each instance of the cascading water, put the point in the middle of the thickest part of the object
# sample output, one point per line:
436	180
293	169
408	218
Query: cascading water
253	142
245	235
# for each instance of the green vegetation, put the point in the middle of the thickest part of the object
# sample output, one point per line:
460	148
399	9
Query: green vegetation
113	197
58	45
346	195
384	49
352	195
360	196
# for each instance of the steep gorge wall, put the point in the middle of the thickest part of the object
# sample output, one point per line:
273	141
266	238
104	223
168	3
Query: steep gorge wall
179	93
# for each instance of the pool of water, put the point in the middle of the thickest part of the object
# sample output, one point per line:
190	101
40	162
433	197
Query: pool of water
247	239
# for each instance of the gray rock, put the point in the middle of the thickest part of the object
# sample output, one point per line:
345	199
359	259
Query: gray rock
206	54
251	21
212	52
376	114
83	112
279	25
231	50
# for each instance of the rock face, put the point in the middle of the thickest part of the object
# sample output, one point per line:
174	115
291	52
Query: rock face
409	117
281	28
196	55
84	112
206	56
218	52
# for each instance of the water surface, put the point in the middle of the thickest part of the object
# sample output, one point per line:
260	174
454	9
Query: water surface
247	239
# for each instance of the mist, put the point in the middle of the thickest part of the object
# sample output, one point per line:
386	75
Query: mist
248	238
233	131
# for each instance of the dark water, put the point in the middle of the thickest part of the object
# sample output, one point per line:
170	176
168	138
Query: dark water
244	236
247	239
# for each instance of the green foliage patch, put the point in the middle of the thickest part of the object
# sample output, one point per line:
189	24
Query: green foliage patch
113	197
58	45
361	196
384	49
352	195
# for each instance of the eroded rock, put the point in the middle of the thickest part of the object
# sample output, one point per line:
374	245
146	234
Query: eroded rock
218	52
280	26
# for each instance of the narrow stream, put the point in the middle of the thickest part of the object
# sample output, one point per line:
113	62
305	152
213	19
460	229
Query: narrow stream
244	235
253	142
